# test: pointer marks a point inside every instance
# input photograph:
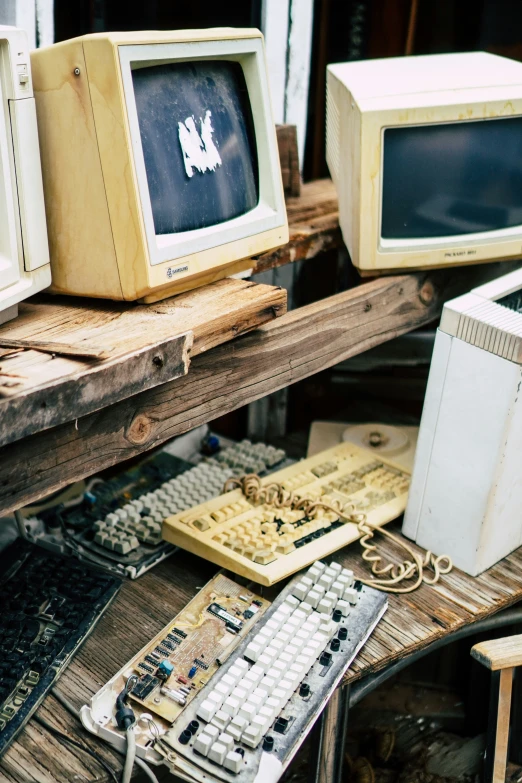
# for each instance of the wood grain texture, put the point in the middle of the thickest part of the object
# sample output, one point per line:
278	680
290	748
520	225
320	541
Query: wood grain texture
289	159
499	653
147	346
313	224
298	344
503	715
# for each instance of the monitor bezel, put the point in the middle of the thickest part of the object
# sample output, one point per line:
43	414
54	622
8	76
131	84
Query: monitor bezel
443	241
270	210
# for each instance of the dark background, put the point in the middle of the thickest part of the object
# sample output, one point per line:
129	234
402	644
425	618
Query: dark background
343	30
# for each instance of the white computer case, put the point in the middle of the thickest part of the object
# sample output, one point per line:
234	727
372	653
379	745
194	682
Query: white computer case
24	250
466	491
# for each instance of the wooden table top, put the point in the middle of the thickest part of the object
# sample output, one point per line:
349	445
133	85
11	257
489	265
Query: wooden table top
143	607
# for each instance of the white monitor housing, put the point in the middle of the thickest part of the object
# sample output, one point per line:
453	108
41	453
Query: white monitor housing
426	155
24	251
466	489
160	160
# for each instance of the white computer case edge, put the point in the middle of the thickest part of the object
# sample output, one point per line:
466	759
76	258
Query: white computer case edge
24	250
466	490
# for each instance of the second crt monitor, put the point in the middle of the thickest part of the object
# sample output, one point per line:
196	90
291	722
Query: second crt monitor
160	160
426	154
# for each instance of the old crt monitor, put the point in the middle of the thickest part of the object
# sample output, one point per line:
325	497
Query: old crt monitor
24	250
426	154
160	160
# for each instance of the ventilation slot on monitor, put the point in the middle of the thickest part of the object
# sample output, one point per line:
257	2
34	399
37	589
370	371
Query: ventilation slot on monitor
333	140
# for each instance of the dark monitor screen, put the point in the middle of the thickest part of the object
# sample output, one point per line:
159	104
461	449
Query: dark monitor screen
452	179
198	140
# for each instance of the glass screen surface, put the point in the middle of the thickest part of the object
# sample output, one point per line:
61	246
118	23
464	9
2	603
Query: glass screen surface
454	179
198	142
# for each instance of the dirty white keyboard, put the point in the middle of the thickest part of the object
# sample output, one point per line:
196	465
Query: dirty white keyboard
252	717
266	545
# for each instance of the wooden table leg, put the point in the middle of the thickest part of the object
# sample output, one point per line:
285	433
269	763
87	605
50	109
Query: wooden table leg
515	746
328	738
495	759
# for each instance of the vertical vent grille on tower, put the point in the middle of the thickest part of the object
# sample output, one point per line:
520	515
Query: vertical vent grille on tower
333	140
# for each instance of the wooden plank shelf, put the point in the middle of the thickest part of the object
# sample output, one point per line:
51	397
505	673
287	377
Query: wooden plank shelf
127	348
288	349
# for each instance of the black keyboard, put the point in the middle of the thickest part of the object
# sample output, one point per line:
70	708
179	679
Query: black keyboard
48	606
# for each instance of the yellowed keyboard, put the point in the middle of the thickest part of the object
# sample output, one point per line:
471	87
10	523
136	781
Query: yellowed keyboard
266	544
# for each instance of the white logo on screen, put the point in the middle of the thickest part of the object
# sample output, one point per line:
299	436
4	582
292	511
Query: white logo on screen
199	150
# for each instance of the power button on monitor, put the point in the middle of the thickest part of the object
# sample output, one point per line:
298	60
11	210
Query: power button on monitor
23	75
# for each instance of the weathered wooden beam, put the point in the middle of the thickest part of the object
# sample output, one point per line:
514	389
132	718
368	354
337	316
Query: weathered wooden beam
147	346
298	344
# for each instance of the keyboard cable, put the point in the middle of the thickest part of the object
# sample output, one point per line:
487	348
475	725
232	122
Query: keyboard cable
275	495
71	709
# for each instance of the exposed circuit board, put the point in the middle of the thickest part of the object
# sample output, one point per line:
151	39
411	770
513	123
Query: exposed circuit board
180	660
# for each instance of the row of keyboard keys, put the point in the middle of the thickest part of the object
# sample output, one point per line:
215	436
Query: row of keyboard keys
252	694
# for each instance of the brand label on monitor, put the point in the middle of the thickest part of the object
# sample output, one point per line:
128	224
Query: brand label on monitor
460	253
198	148
171	271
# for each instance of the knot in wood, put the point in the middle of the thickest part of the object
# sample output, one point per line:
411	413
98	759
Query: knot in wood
157	361
140	430
427	292
367	307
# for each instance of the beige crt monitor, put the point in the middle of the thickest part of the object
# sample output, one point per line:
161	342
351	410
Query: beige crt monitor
160	160
426	154
24	251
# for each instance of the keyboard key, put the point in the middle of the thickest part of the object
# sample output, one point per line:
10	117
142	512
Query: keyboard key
326	580
212	731
240	695
261	693
207	710
343	607
221	720
216	698
227	741
203	743
233	762
338	588
268	684
350	595
248	711
217	753
231	707
252	735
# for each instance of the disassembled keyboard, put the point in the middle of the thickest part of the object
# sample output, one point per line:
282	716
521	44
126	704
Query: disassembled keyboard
48	605
247	718
266	544
117	523
177	663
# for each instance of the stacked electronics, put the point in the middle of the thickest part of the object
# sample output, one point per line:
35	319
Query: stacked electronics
169	139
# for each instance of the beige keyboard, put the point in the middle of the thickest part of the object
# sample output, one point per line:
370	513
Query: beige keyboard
267	544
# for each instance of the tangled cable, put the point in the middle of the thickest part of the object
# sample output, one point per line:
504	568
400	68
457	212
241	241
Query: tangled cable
277	496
